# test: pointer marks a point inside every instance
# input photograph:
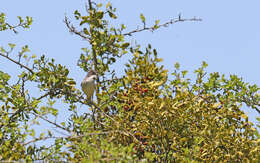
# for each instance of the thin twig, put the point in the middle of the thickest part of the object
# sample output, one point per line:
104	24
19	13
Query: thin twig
90	103
18	63
72	29
53	123
124	132
45	95
71	137
40	139
13	27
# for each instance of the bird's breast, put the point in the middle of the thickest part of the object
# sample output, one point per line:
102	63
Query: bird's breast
88	86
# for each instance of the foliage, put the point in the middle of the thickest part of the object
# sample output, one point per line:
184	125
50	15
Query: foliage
24	23
147	114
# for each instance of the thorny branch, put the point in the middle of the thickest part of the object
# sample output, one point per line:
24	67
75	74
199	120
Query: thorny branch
72	29
172	21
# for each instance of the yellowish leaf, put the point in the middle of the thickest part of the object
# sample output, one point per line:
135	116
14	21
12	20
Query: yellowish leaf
244	116
162	105
216	105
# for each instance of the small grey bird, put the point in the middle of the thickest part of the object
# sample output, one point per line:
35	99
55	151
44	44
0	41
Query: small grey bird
88	84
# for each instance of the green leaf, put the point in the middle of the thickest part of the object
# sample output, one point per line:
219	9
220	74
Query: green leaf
177	65
112	15
108	5
157	22
99	5
184	73
123	26
85	30
142	18
100	14
32	133
34	56
2	50
125	45
11	45
204	64
20	19
63	124
77	14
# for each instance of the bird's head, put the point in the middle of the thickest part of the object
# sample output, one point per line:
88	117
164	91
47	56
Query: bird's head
92	75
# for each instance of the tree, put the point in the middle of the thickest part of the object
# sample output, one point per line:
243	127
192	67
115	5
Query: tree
139	116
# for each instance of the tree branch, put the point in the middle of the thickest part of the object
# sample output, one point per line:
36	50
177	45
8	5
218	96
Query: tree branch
53	123
70	137
16	26
172	21
72	29
90	4
18	63
123	132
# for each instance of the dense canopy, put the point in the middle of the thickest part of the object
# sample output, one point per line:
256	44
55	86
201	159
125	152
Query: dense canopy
146	114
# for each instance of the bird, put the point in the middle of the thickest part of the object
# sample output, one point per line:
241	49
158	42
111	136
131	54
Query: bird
88	84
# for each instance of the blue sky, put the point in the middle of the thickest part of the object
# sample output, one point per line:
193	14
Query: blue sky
227	38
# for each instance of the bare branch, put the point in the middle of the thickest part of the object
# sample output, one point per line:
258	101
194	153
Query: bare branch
53	123
45	95
18	63
90	103
40	139
71	137
173	21
72	29
90	4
